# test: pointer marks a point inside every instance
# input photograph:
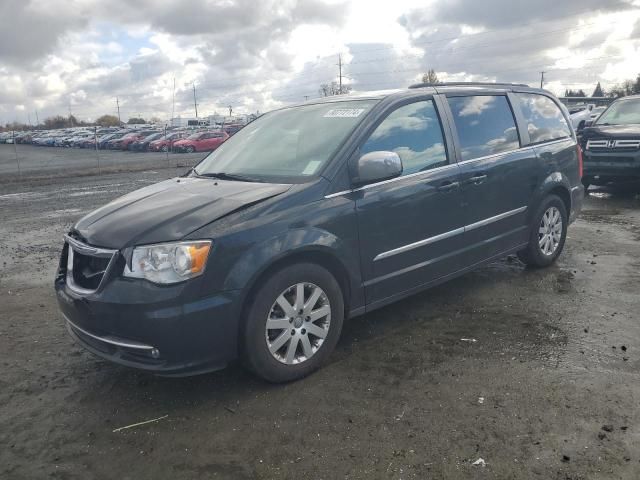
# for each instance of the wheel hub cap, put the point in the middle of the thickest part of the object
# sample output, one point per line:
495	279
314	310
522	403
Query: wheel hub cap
298	323
550	231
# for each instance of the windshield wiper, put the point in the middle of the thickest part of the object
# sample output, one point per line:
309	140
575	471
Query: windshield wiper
226	176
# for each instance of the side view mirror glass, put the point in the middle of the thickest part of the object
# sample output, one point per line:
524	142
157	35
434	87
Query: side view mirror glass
377	166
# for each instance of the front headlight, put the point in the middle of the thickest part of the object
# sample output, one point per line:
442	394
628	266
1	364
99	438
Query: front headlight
169	262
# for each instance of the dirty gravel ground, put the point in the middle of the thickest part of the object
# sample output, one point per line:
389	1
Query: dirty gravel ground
546	387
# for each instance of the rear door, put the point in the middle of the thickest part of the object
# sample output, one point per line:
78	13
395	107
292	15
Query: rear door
410	227
498	177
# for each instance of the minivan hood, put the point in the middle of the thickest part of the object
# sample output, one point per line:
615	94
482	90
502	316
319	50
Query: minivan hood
612	131
169	210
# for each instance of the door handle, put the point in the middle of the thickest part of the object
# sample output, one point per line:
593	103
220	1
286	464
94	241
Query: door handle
477	179
448	186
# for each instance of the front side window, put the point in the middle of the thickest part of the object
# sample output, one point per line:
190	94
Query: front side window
415	134
290	144
544	118
485	125
621	112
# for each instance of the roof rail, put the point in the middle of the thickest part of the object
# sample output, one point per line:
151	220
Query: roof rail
467	84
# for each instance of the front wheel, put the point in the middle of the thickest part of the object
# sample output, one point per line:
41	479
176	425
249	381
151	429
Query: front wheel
191	149
293	323
548	233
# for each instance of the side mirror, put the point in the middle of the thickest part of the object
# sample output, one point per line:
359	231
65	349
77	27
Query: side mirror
377	166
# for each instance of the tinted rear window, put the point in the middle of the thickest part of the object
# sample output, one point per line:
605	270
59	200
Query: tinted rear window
485	125
544	118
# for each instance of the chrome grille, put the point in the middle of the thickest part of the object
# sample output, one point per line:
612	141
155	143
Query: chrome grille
611	144
86	265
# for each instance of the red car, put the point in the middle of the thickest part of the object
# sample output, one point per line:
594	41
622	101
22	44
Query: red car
166	143
134	137
201	142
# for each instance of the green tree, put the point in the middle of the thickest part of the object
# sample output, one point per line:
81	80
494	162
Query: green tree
136	121
430	77
333	88
598	92
108	121
57	121
574	93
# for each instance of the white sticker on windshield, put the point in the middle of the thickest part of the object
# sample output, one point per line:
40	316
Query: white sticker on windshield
344	113
312	166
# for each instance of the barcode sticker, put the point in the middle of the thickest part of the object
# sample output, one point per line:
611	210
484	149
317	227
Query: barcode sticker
344	113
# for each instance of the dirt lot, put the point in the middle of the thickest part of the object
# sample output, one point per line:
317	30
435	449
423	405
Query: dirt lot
535	372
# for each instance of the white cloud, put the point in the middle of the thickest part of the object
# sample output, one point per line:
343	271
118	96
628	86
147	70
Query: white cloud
259	55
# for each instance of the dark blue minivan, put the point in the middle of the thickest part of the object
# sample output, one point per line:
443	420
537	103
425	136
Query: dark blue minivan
315	213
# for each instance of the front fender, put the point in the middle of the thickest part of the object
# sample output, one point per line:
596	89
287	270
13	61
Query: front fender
293	242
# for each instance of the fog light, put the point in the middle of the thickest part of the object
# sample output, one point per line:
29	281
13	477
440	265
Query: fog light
155	353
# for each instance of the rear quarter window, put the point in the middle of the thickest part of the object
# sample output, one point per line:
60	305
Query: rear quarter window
544	118
485	125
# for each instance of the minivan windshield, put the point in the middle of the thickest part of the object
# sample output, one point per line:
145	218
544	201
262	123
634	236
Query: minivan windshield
290	144
621	112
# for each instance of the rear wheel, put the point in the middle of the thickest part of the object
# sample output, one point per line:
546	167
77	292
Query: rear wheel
293	323
548	233
190	149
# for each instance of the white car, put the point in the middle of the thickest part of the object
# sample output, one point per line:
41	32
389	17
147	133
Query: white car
595	113
580	115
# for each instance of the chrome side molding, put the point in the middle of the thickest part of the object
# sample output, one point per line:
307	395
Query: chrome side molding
449	234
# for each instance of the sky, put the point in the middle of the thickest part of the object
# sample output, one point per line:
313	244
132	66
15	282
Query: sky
79	56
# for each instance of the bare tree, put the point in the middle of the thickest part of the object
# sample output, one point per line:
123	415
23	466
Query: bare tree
430	77
333	88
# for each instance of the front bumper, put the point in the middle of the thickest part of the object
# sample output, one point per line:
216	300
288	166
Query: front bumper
612	164
174	330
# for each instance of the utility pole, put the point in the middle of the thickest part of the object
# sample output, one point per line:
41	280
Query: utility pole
118	105
340	73
230	110
70	115
542	79
306	97
37	119
173	105
195	104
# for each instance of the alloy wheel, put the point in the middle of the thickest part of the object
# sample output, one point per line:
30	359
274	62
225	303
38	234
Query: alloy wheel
298	323
550	231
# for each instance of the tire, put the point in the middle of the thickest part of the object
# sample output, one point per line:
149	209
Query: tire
533	255
307	357
165	148
190	149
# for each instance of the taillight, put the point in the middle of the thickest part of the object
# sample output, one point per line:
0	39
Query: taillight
580	164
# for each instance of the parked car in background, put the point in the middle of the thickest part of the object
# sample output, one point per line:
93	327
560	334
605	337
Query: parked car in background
315	213
103	142
142	145
165	144
580	115
200	142
612	144
595	113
